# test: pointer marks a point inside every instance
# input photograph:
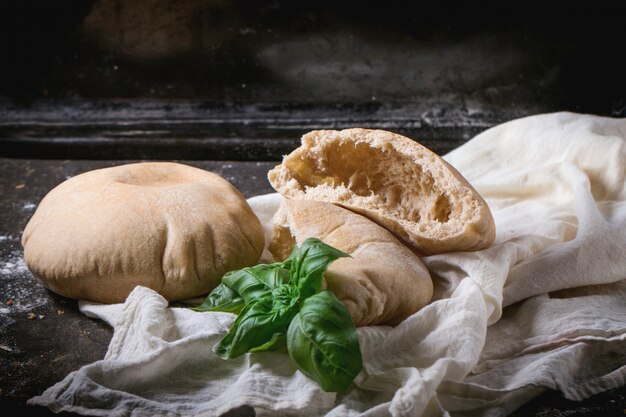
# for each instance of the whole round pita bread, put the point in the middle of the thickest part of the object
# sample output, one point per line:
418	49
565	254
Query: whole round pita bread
394	181
382	283
167	226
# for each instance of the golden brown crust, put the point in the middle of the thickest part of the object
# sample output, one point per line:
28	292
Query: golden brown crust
382	283
394	181
170	227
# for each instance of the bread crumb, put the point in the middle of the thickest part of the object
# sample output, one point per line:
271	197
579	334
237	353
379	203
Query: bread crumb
32	316
41	317
59	312
9	303
20	186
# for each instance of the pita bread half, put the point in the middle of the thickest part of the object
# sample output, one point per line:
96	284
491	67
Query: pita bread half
382	283
394	181
170	227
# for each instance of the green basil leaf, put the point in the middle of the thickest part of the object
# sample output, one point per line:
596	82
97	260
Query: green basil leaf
222	298
255	281
261	320
323	343
277	342
309	262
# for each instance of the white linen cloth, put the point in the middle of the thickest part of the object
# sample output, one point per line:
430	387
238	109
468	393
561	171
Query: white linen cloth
544	307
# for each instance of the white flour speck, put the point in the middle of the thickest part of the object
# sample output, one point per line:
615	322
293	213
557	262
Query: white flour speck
20	287
29	206
16	267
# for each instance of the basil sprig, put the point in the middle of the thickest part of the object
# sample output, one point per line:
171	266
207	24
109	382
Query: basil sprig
280	305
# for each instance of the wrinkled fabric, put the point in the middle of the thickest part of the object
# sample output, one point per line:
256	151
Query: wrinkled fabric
543	308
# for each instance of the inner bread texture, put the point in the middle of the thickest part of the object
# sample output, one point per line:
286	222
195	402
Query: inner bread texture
394	181
383	282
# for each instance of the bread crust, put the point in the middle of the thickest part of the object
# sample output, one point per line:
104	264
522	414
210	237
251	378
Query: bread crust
170	227
383	282
392	180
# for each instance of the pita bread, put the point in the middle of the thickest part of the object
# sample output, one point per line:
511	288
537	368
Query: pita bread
392	180
170	227
382	283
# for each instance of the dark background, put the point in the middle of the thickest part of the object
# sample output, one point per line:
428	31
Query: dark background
243	79
231	85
